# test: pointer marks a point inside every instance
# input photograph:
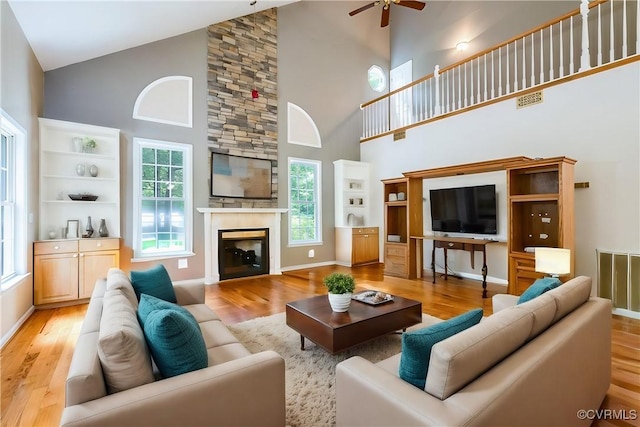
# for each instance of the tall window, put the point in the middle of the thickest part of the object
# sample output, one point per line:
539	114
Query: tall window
162	198
12	200
305	222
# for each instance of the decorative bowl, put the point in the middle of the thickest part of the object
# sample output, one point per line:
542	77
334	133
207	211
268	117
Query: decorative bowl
83	197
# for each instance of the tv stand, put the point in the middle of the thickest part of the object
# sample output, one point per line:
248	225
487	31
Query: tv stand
459	243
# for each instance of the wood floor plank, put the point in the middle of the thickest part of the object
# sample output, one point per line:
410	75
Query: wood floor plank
35	362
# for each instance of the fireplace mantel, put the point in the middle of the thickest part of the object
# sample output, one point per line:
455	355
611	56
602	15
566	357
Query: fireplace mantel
216	219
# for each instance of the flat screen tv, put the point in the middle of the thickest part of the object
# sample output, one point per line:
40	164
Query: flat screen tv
242	177
464	209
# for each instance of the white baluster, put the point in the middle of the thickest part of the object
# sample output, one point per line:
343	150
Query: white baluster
436	74
524	65
612	56
508	88
541	58
479	100
599	36
471	102
446	88
585	58
571	45
500	71
515	65
625	51
459	87
561	69
551	70
466	100
533	62
485	77
431	96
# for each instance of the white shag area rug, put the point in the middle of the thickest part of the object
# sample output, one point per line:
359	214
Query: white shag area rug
310	373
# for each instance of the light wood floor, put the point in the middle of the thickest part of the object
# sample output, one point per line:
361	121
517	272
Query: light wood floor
34	363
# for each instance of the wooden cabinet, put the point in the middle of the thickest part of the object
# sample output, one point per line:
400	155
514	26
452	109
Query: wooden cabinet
402	219
67	168
67	270
541	213
357	245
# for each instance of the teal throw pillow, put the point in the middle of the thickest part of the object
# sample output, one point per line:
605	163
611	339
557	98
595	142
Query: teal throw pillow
416	345
149	303
154	281
538	288
175	341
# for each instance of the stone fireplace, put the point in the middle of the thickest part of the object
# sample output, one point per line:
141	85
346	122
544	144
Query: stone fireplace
239	220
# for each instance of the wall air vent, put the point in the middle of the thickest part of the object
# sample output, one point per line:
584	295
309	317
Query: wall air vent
529	99
397	136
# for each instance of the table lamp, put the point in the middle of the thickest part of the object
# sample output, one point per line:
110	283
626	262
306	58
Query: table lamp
553	261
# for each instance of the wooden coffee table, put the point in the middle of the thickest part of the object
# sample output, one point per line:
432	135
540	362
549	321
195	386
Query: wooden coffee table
313	318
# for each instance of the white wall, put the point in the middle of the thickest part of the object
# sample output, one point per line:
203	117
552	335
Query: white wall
21	83
594	120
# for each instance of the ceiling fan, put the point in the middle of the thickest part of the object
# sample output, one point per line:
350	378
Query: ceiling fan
418	5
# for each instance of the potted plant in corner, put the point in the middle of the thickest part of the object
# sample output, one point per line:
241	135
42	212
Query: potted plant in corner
340	286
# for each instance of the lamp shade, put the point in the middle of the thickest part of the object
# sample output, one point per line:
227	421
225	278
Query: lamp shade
553	260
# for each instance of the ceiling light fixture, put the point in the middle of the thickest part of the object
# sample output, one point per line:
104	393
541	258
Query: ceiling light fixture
462	46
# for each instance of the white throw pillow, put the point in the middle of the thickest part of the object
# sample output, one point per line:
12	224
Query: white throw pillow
123	351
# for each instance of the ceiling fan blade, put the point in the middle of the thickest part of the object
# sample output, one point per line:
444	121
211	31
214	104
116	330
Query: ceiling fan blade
363	8
418	5
385	16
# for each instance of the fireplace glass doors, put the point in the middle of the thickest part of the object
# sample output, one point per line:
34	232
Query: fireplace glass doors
243	252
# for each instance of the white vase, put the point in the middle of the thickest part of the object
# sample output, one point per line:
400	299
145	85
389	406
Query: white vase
339	302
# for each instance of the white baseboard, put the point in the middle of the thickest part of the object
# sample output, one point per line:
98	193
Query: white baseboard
189	281
317	264
5	339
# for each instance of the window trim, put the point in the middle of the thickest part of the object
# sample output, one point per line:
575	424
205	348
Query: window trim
20	218
317	164
138	145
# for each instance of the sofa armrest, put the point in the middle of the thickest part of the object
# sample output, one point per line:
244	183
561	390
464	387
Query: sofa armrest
367	395
241	392
189	293
502	301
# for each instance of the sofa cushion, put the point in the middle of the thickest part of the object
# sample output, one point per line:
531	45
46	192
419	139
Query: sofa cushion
149	303
458	360
416	345
122	349
569	296
543	310
154	281
117	279
539	287
175	341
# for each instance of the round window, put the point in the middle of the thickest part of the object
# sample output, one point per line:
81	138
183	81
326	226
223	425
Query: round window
377	79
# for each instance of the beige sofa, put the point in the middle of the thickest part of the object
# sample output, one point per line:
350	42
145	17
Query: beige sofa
236	389
534	364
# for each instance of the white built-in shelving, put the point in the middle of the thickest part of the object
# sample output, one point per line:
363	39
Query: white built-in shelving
59	177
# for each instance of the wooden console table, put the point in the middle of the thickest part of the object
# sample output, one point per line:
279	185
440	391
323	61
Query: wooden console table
458	243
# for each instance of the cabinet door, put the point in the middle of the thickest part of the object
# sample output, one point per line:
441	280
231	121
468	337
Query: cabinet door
94	266
365	248
55	278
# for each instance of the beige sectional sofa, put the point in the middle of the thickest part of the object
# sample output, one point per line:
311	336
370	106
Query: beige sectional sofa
533	364
236	389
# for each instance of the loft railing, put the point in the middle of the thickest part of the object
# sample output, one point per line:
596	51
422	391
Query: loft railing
597	35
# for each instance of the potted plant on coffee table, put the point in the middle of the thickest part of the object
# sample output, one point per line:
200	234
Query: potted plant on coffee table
341	287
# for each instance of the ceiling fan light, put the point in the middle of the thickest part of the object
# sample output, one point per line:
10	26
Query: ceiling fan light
461	46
